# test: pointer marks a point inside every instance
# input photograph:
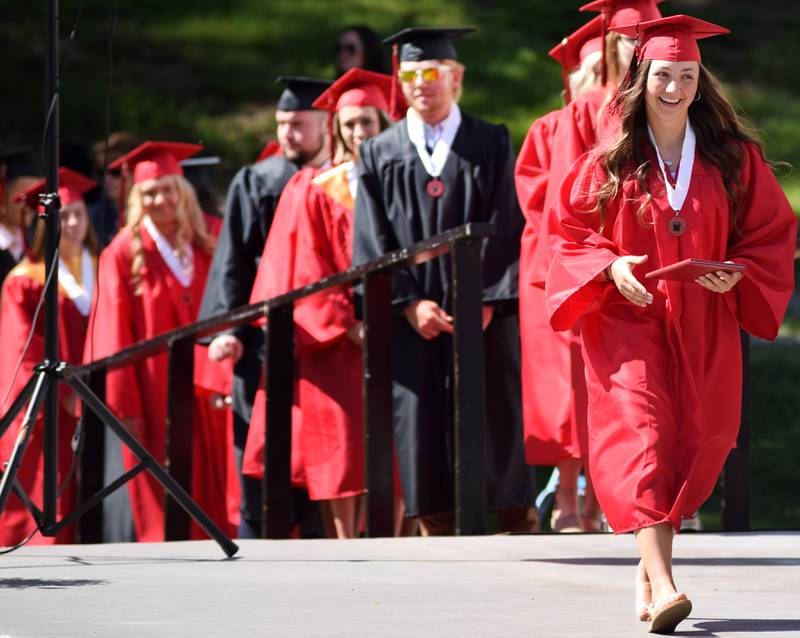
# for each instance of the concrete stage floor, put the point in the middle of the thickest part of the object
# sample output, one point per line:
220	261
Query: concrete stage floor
741	585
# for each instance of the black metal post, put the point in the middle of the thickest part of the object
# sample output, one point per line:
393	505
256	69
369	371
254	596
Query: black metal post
279	383
90	465
179	431
53	207
736	475
468	387
379	439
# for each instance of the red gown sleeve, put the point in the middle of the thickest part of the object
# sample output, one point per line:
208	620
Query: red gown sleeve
20	296
581	251
764	241
327	315
533	167
276	268
112	328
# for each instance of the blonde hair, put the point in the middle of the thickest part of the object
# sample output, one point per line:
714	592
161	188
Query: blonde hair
587	75
192	227
453	64
615	72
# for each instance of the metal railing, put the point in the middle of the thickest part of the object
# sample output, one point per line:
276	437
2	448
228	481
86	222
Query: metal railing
464	244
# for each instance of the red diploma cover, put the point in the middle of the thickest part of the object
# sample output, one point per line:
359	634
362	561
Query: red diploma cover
691	269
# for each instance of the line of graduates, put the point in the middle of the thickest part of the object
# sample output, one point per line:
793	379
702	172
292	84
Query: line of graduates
590	365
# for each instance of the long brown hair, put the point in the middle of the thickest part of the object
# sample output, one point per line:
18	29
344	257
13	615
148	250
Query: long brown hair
341	152
719	131
36	251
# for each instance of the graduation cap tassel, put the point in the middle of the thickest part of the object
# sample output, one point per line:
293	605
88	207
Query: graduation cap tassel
331	137
395	68
603	32
121	202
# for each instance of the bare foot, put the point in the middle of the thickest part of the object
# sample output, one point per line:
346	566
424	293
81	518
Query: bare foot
644	594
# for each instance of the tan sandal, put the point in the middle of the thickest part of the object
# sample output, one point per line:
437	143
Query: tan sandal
565	523
666	616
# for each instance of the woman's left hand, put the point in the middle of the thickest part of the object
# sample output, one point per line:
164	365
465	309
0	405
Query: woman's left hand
720	281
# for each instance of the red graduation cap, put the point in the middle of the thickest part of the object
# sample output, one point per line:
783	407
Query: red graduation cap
572	50
621	12
673	38
152	160
71	188
357	87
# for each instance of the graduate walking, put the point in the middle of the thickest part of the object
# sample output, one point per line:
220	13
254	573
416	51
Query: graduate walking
684	179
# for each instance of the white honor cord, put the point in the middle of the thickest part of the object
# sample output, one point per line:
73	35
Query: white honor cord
184	272
677	196
79	293
433	162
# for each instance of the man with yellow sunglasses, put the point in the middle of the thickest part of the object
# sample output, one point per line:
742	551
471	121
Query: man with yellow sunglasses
436	169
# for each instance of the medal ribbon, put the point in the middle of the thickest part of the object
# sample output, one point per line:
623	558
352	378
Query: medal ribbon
677	196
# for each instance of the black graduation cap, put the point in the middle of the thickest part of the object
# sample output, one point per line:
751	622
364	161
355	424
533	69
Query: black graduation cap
300	92
17	162
427	43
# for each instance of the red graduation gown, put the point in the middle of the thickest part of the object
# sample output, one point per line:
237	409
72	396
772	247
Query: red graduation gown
275	276
22	290
124	316
331	371
664	381
552	370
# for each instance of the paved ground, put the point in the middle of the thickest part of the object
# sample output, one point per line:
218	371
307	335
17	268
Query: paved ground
742	585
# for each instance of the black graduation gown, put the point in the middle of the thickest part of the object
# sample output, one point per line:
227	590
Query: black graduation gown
249	208
393	209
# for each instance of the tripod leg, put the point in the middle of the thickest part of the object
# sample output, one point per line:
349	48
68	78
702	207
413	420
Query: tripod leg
158	472
43	381
19	403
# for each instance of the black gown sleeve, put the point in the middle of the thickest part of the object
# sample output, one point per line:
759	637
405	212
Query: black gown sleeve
373	235
501	252
239	247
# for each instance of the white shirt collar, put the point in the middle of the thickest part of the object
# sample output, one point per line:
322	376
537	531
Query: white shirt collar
13	242
182	266
433	162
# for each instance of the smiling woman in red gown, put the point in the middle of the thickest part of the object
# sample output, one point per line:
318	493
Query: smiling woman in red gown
22	291
153	275
663	361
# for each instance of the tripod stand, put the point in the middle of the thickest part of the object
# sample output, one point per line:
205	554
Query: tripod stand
41	389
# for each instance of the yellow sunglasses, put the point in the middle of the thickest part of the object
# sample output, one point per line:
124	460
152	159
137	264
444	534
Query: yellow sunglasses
428	74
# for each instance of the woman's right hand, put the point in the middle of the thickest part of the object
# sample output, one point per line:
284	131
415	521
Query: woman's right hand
628	286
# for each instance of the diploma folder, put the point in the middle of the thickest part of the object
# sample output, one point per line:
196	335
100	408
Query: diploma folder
691	269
